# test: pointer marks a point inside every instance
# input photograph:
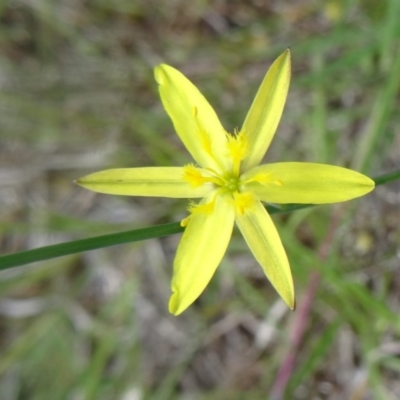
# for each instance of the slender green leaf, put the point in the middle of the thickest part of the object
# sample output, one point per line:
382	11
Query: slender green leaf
379	119
77	246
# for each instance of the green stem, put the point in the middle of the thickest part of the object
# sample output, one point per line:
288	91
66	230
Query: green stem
390	177
97	242
78	246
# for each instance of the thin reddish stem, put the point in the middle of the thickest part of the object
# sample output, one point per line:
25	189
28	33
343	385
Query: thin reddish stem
304	312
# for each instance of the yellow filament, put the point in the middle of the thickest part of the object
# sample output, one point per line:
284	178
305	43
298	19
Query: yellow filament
264	178
237	146
194	176
243	202
195	208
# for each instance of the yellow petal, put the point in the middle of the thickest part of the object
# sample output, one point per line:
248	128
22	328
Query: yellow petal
148	181
295	182
200	251
265	112
194	119
261	236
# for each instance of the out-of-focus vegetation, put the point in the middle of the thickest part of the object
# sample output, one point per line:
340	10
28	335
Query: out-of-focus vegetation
78	95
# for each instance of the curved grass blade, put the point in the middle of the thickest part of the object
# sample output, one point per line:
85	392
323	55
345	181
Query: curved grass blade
78	246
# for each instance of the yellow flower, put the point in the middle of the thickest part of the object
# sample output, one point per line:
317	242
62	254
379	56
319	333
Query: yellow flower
230	181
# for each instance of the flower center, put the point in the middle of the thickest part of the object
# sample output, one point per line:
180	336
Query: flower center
232	184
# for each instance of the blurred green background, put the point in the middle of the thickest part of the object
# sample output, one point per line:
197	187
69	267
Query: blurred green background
78	95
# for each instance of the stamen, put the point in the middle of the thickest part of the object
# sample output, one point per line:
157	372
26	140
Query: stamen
195	208
206	208
243	202
193	176
237	146
264	178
